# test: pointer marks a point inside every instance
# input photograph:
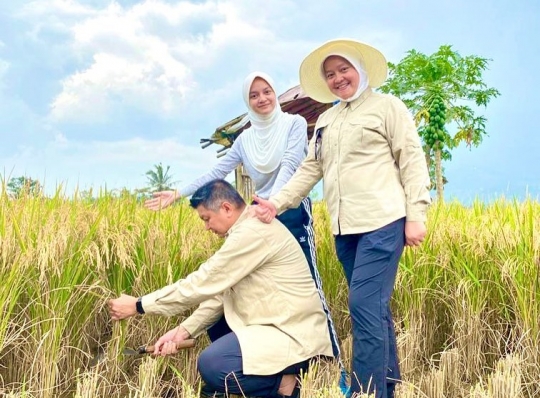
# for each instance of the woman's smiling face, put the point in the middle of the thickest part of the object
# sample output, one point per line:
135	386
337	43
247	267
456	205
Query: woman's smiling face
262	98
341	77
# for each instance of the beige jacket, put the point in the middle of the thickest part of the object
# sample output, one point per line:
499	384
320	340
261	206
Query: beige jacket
260	280
372	164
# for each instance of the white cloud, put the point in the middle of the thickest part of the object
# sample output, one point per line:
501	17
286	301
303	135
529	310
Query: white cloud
129	66
155	84
179	63
161	57
142	56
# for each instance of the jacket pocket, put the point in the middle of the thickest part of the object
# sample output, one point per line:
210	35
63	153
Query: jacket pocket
364	130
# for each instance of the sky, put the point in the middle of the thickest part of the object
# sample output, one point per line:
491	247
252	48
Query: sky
94	93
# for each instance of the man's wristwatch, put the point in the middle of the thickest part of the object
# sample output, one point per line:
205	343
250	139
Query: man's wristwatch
139	307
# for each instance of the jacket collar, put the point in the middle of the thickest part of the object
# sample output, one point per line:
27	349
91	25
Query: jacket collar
245	214
357	102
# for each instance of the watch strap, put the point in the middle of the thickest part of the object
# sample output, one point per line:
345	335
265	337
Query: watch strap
139	306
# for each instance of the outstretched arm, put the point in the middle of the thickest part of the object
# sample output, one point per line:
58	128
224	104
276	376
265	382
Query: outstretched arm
164	199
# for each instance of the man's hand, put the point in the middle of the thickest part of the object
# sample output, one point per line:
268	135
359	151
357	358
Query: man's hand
166	344
264	210
161	200
123	307
415	232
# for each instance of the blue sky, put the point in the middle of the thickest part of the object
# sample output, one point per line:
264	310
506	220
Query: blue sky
94	93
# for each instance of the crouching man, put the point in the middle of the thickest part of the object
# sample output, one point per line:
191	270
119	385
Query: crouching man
260	283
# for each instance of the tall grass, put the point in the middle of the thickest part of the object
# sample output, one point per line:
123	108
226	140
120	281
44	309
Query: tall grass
466	304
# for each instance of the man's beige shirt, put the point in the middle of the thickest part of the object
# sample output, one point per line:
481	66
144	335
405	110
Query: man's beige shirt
372	164
260	280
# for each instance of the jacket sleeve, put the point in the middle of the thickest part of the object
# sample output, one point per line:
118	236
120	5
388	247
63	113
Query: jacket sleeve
208	313
244	250
410	159
301	183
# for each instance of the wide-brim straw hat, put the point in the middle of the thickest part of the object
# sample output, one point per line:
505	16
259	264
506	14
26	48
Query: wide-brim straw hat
311	76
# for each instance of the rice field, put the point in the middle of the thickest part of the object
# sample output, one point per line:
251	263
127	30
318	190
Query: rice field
466	305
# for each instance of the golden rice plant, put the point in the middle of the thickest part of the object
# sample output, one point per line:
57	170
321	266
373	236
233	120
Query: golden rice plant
466	303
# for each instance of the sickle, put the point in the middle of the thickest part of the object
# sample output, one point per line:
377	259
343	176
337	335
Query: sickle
149	349
142	350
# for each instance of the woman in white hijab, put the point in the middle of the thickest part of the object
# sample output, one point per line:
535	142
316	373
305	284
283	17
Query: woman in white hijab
376	184
271	150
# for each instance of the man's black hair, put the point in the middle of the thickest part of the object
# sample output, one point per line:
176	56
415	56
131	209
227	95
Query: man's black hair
212	194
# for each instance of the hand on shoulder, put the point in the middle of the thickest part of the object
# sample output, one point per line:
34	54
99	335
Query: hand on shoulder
264	210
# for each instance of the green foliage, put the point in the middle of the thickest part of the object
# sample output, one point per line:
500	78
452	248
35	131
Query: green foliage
159	178
24	186
441	89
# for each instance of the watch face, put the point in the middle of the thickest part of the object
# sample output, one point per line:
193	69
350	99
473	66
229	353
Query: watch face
139	306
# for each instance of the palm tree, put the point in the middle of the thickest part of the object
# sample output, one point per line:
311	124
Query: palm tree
159	178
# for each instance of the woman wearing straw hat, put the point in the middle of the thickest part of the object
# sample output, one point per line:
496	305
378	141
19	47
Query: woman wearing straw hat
368	153
271	149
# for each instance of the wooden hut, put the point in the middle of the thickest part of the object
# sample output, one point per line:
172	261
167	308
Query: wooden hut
292	101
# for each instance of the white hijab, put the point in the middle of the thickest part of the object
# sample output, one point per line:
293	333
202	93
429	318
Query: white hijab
364	79
266	140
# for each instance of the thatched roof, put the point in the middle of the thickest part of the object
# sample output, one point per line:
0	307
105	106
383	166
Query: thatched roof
293	101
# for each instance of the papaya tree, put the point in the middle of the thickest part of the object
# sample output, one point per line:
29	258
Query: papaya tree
444	90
